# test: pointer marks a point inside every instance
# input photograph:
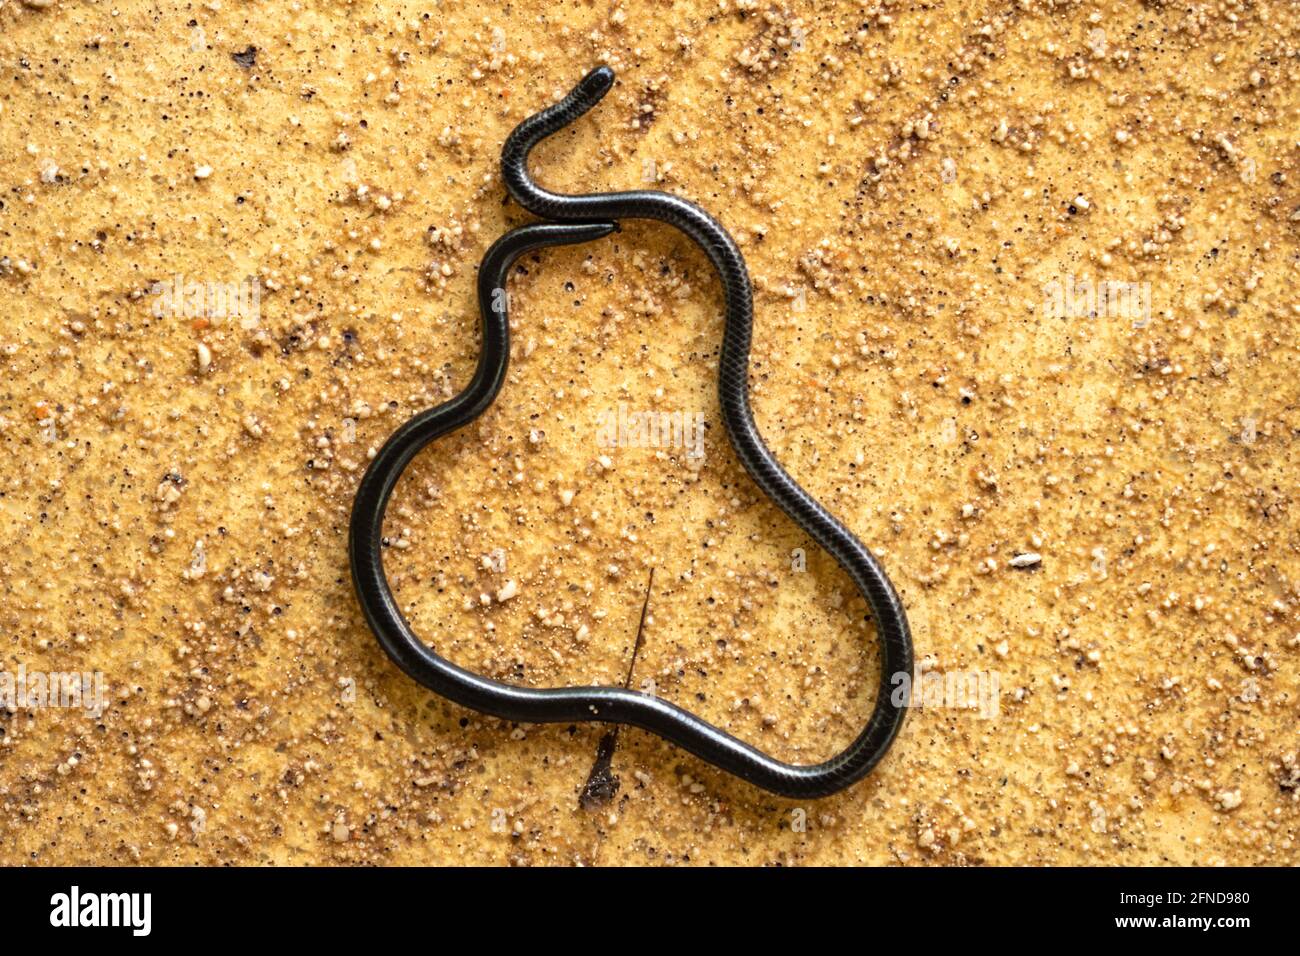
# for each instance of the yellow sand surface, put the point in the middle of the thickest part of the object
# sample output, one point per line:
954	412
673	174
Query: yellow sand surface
925	193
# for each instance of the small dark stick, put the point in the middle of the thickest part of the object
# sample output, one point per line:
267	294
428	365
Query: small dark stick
602	784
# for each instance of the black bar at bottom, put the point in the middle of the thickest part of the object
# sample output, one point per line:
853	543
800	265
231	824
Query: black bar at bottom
559	908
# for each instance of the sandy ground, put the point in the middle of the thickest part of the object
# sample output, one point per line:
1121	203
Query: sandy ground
912	184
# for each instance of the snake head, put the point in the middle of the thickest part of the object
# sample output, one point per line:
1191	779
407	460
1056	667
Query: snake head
592	87
514	154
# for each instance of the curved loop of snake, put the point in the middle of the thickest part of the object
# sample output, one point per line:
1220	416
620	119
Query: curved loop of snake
579	219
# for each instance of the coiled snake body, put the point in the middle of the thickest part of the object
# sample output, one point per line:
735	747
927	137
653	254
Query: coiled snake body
583	218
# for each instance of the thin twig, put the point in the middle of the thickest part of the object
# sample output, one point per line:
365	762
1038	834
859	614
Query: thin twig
602	784
640	630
